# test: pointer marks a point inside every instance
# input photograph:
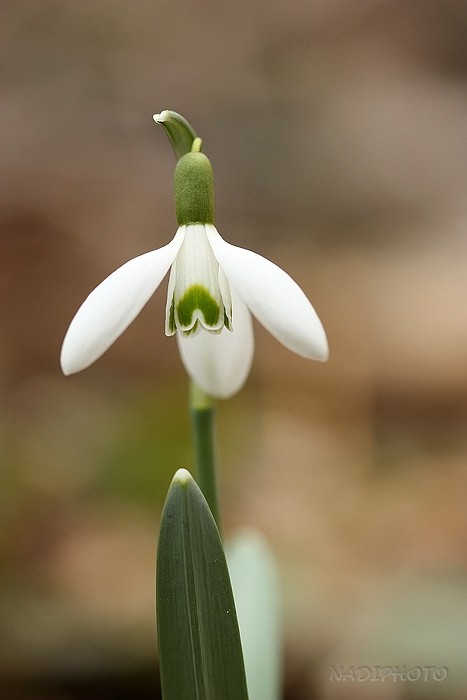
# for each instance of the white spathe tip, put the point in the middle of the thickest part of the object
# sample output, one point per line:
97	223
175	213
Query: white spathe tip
159	118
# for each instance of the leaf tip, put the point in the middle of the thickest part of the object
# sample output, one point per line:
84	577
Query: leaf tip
182	477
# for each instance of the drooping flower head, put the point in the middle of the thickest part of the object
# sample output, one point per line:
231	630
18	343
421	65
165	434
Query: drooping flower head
214	287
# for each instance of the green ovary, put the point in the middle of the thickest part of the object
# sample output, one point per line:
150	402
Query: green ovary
196	298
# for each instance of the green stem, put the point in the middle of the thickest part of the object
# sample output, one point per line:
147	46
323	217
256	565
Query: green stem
202	421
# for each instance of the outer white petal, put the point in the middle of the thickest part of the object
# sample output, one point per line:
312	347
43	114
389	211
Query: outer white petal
114	304
220	362
273	297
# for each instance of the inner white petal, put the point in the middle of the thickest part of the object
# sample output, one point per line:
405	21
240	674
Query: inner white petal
196	296
226	295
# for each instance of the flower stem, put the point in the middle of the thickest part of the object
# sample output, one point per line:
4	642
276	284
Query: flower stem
202	421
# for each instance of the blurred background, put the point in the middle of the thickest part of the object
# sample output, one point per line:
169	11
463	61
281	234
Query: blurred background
337	132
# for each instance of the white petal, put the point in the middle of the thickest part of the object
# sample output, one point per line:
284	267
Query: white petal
197	298
220	363
113	305
226	295
170	327
273	297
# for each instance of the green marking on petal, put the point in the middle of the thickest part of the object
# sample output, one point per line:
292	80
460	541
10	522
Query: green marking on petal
196	298
191	331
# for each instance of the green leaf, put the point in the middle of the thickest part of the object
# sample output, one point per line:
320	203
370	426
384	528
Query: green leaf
255	582
200	653
179	131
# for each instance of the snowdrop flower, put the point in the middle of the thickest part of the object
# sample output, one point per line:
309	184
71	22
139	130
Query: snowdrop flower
213	289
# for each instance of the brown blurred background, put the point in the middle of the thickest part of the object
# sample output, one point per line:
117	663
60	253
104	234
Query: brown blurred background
337	132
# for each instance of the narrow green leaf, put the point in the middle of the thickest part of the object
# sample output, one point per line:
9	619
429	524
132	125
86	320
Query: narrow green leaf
200	653
256	587
179	131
